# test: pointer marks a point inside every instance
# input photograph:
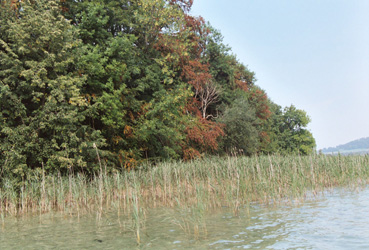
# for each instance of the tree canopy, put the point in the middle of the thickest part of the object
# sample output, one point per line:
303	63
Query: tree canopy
123	81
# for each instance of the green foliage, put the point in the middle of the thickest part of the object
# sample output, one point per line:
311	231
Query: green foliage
293	137
41	104
101	82
240	129
161	129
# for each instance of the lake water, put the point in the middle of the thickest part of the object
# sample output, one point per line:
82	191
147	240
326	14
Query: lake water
337	220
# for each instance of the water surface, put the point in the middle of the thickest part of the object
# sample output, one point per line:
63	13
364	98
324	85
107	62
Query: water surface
337	220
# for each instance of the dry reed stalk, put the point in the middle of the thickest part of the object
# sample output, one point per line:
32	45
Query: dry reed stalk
231	181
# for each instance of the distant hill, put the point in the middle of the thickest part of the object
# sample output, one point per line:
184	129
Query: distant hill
354	147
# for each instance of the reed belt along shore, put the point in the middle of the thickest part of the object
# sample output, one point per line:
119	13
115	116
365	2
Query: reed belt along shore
212	182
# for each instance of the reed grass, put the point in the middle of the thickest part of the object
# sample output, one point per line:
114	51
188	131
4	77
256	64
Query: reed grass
201	184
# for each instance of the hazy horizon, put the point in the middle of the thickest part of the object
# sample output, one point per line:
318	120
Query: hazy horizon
312	54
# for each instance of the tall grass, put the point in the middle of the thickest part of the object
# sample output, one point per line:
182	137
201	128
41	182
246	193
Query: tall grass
204	184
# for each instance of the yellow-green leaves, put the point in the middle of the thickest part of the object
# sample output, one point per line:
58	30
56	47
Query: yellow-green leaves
43	105
157	16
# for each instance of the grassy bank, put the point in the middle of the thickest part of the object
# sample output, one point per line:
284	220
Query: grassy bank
206	184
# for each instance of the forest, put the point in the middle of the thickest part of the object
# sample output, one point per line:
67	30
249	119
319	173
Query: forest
114	83
358	145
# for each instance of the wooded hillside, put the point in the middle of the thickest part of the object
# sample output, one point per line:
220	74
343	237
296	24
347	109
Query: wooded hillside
115	82
359	144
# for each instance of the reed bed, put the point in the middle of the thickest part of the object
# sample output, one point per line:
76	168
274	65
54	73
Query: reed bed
203	184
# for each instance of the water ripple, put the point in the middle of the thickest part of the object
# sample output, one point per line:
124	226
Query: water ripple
339	220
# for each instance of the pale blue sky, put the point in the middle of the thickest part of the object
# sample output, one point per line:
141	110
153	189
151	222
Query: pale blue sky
310	53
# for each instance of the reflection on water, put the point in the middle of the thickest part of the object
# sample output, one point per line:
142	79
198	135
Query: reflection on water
339	220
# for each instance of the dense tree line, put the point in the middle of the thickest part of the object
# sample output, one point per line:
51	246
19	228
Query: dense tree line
114	82
359	144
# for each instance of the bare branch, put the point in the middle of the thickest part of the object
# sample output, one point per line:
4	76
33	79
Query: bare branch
208	94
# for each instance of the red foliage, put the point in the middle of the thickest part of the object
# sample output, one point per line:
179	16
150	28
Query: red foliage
202	134
192	107
264	140
205	134
196	74
172	45
240	83
199	33
259	100
190	153
15	4
186	57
